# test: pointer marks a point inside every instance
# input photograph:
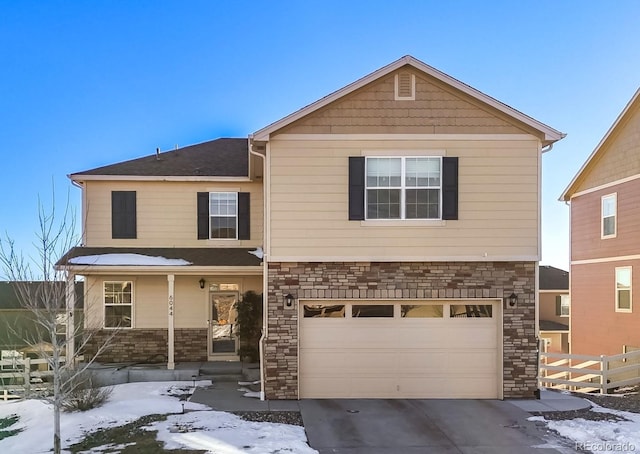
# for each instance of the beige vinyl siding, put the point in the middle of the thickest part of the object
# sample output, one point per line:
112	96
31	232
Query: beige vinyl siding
166	213
498	202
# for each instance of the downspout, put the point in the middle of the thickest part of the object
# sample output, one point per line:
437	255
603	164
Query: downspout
264	265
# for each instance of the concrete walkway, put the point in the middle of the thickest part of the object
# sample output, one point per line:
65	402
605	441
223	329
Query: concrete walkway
224	396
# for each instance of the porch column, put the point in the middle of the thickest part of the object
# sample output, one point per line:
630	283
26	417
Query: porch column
70	301
170	336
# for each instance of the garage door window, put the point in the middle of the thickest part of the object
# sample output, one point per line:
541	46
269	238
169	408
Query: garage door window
471	311
372	310
323	310
421	311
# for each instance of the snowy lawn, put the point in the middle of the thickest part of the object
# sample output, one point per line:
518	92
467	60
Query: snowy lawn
198	428
600	436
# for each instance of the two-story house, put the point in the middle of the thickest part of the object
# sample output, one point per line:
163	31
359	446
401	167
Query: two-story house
604	199
555	308
400	233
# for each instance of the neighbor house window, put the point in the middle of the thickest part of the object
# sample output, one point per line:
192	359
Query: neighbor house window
118	304
223	215
562	305
623	289
609	216
403	188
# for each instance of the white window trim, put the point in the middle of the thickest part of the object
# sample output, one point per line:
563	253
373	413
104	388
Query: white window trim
223	216
615	284
104	304
613	196
403	187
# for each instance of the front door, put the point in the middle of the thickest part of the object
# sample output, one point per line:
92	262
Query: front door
222	319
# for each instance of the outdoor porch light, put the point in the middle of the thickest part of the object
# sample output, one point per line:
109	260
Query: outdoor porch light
513	300
288	300
201	281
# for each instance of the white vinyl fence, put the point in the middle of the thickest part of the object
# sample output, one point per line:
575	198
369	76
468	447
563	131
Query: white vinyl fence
585	373
21	376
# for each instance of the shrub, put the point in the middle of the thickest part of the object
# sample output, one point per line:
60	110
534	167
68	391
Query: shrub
83	394
249	323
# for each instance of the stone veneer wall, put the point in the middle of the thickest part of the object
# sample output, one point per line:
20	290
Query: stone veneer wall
148	345
365	280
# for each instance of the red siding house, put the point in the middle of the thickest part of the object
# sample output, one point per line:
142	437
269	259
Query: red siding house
605	241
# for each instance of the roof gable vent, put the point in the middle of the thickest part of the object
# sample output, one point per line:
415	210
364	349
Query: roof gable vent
405	84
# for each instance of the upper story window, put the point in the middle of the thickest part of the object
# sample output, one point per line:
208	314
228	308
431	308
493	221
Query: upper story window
223	215
563	305
403	188
118	304
609	217
416	187
623	289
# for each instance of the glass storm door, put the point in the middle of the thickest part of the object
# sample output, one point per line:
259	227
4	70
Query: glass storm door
222	319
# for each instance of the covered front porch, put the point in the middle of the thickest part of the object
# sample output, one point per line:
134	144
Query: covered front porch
147	306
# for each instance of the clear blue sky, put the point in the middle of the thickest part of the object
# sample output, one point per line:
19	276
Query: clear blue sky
84	84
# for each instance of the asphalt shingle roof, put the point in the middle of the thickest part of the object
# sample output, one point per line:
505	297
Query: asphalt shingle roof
218	158
553	278
549	325
196	256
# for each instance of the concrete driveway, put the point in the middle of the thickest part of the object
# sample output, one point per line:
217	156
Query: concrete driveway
376	426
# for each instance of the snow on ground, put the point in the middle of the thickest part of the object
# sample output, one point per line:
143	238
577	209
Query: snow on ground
200	428
127	259
600	436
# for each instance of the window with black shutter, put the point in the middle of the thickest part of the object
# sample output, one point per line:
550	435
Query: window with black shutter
123	215
412	187
223	215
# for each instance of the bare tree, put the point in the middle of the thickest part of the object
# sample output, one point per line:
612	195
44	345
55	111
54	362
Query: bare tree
42	285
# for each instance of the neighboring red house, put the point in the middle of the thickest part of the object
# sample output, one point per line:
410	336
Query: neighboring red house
554	308
605	241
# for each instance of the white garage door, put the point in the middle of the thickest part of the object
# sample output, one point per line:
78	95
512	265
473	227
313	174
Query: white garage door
400	349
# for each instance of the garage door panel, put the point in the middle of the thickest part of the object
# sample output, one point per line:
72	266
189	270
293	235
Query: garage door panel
324	362
419	357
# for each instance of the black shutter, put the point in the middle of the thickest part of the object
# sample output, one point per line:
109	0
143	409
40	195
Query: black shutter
203	215
356	188
243	216
558	305
123	214
450	188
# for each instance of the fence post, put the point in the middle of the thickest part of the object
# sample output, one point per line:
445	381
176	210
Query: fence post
27	376
604	367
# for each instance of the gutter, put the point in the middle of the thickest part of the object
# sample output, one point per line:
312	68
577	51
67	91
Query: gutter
265	325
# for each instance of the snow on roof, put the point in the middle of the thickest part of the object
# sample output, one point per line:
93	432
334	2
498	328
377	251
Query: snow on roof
127	259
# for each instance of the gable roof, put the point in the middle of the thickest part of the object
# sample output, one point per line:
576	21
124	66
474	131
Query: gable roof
225	157
551	278
599	150
549	134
